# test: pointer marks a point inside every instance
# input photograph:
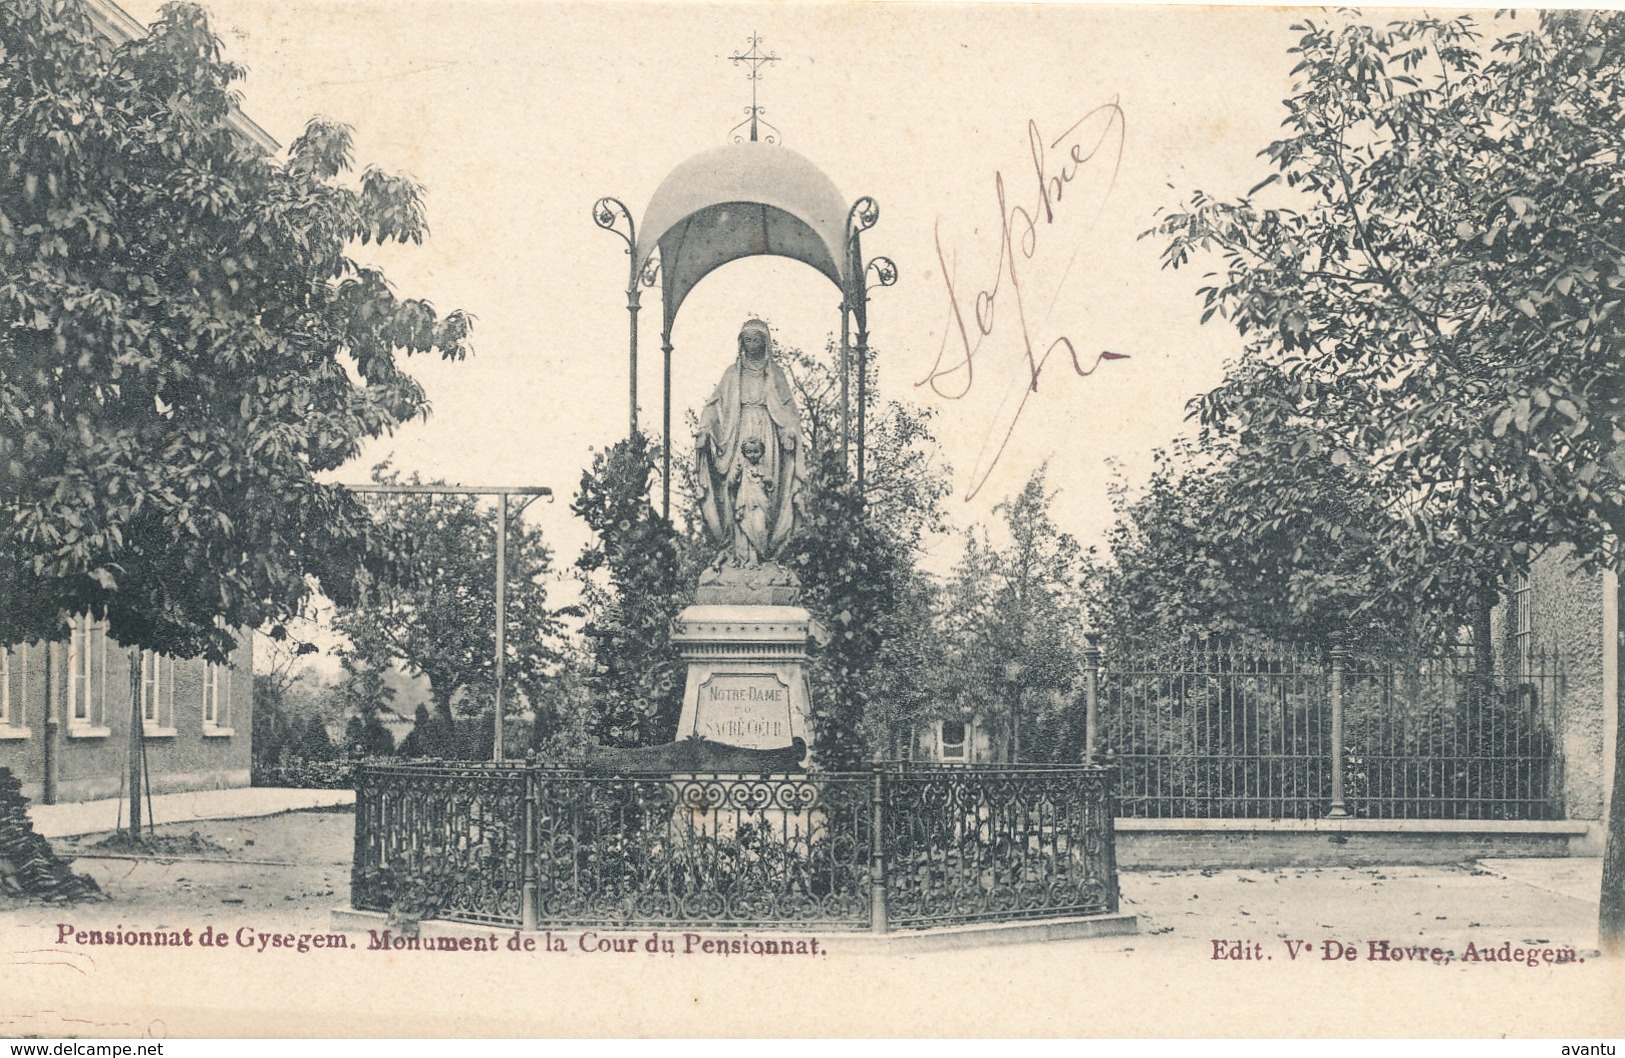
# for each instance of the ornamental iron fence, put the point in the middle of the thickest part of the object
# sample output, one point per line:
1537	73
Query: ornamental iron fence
1265	731
899	847
446	840
988	844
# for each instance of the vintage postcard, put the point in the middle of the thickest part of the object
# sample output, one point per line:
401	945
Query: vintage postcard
810	520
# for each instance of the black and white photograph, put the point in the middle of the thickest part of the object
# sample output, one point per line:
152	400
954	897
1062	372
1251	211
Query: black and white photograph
529	519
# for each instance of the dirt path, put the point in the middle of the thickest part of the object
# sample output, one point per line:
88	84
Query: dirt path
287	873
290	871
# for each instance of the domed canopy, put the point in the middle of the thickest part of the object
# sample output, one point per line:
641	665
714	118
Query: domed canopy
738	201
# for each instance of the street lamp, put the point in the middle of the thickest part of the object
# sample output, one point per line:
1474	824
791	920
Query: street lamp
1013	671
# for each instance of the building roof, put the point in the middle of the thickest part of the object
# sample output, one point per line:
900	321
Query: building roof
119	26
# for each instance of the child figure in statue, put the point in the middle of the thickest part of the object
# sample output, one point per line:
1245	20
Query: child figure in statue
753	402
753	505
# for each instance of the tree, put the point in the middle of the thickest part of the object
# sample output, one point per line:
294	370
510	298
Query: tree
905	477
1013	619
315	743
437	616
561	717
851	573
634	673
275	727
857	558
1435	298
185	341
363	694
1252	543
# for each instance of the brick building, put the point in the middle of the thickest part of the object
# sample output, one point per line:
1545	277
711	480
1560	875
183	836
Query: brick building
66	710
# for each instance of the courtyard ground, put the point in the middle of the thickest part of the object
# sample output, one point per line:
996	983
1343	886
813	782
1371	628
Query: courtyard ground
281	876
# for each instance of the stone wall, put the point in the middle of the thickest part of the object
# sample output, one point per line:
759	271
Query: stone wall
1567	616
1181	844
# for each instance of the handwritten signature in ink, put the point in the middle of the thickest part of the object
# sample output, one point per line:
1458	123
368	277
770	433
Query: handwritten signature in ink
1056	163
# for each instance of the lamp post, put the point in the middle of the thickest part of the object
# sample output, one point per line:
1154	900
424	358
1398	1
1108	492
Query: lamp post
1091	693
1013	671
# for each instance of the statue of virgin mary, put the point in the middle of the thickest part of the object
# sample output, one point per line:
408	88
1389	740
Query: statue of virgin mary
752	402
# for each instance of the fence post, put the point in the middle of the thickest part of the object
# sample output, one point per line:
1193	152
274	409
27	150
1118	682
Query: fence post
366	831
877	862
1339	810
1091	693
527	906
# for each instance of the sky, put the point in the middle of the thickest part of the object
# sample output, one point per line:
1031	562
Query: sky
517	116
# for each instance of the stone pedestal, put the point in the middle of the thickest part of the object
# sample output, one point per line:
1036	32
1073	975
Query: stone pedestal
747	674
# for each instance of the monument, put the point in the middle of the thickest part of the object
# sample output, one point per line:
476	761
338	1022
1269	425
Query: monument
745	639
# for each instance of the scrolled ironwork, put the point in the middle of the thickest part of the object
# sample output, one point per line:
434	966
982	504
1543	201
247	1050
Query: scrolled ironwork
608	213
885	272
750	797
755	123
864	214
753	113
942	845
651	271
440	842
975	845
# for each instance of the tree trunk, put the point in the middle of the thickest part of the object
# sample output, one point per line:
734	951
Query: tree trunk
1611	903
136	734
1611	917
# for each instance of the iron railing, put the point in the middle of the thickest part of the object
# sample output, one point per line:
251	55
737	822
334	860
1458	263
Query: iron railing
895	848
987	844
446	839
1438	740
1265	731
721	850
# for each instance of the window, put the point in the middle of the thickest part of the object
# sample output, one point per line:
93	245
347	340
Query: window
157	695
1522	624
14	673
216	699
87	679
951	740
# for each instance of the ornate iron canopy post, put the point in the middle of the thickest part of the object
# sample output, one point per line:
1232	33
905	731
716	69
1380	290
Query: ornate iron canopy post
859	219
846	373
665	424
750	198
885	273
863	215
607	212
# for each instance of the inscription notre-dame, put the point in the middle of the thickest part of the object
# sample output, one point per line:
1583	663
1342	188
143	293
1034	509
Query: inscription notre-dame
770	695
745	709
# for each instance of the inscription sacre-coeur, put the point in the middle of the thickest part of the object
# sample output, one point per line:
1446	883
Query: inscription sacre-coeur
745	709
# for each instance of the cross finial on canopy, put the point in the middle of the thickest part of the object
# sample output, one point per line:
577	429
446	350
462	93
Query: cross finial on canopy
756	59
